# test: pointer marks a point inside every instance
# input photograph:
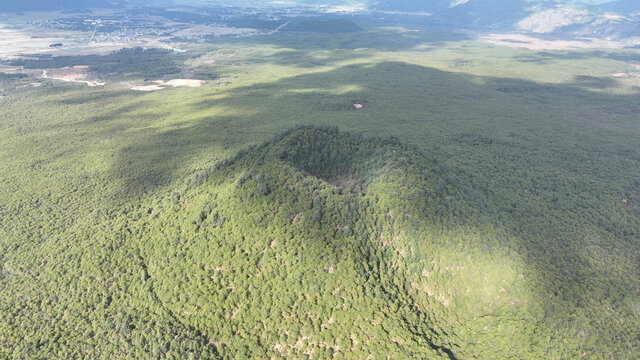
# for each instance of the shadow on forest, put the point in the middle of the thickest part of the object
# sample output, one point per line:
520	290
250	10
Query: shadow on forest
311	59
593	82
91	95
375	39
532	139
308	50
417	99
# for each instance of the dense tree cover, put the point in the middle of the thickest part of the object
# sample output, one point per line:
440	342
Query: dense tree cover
327	244
128	62
118	239
7	77
323	26
317	244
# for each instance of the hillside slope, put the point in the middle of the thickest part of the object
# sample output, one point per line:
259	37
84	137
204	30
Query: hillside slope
106	252
328	244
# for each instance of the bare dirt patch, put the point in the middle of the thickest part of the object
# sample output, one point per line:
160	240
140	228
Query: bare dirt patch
76	74
625	75
147	87
161	84
185	82
66	74
8	69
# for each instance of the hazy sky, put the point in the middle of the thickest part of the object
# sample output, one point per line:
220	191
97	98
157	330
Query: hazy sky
354	2
389	5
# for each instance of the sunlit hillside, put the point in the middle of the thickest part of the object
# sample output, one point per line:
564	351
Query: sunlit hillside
320	186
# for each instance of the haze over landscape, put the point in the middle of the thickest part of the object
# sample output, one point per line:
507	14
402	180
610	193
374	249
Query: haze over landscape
443	179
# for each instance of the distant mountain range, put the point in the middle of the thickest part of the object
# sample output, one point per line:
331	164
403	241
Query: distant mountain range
574	18
623	6
580	21
611	20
